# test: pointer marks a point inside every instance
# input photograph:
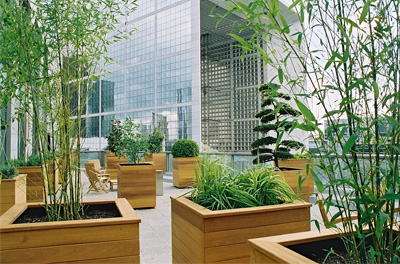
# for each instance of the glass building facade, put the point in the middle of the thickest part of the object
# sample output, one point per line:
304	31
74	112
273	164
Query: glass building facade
181	72
157	78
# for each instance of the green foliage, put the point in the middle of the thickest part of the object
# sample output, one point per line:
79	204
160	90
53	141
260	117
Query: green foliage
185	148
34	160
349	54
114	138
133	143
155	140
8	171
51	54
220	187
17	162
279	118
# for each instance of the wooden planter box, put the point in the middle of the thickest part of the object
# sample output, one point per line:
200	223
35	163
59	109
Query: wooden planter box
112	163
137	183
12	191
293	248
159	160
200	235
184	171
104	240
34	183
292	178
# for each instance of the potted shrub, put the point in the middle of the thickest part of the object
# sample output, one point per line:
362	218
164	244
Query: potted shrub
226	208
48	85
34	180
136	180
113	156
155	140
349	58
277	119
12	187
185	154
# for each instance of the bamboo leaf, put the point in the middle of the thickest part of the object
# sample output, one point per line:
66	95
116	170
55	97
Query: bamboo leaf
293	4
280	75
349	144
376	89
317	181
245	44
365	11
305	111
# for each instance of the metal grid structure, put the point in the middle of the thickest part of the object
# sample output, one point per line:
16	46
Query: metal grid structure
229	95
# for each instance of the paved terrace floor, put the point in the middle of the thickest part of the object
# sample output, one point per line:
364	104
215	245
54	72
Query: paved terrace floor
155	227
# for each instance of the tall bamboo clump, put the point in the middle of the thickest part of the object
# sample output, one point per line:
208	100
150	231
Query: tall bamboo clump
51	53
343	57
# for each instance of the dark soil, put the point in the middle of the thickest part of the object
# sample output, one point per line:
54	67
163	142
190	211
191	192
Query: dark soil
38	214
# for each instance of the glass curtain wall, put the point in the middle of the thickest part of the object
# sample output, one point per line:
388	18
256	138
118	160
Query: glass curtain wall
153	80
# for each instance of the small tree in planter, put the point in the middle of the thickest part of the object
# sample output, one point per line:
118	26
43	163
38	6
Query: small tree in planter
185	154
12	187
136	180
227	207
279	118
114	138
50	56
155	140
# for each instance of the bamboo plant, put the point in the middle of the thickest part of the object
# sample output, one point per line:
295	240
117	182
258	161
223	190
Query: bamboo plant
51	53
341	57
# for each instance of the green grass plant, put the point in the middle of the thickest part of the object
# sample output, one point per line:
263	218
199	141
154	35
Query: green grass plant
220	187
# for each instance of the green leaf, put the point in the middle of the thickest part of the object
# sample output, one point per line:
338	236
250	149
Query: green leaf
293	4
305	111
365	11
376	89
349	144
317	181
280	75
245	44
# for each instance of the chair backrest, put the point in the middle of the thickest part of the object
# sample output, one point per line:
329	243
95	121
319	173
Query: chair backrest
89	166
96	163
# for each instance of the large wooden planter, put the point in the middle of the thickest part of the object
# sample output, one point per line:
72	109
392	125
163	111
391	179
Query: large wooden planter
200	235
112	163
137	183
184	171
12	191
159	160
292	177
34	183
107	240
294	248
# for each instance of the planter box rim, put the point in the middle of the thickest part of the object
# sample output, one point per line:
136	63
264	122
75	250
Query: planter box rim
6	220
135	164
36	167
207	213
19	176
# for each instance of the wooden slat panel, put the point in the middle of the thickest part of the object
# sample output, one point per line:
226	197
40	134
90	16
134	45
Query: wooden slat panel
188	215
184	171
127	259
258	258
192	255
257	219
223	253
279	254
236	261
137	183
66	236
189	232
177	257
235	236
76	252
